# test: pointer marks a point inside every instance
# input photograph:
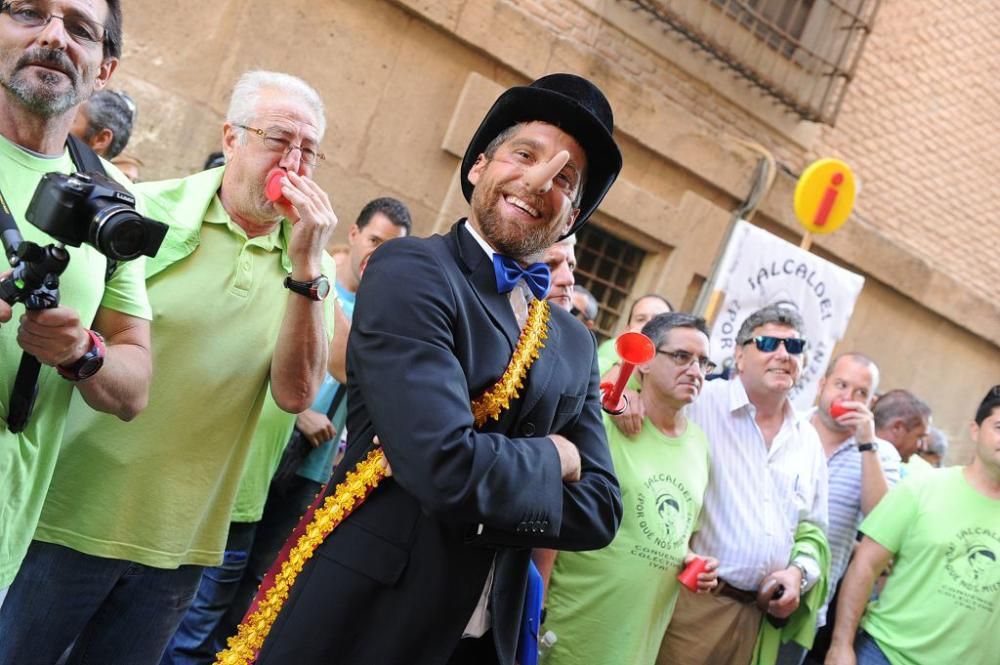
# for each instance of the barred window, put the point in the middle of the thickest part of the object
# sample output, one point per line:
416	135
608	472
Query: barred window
607	266
801	53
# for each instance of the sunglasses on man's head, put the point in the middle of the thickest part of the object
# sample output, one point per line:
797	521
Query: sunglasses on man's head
768	344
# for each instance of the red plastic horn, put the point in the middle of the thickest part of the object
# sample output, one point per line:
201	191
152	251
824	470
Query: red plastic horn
272	186
634	349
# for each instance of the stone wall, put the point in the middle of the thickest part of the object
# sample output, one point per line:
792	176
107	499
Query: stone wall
406	81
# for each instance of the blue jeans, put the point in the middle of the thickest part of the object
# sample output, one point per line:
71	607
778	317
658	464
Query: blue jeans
868	651
111	611
226	592
195	639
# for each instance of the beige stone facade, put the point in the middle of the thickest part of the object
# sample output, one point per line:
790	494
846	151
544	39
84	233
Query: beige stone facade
406	82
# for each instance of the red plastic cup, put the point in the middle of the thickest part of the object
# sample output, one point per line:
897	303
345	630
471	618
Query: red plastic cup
272	186
689	576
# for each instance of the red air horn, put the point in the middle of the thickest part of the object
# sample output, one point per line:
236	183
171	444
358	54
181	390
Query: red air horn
634	349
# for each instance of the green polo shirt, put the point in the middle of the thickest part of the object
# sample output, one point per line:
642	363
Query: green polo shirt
27	459
273	431
160	490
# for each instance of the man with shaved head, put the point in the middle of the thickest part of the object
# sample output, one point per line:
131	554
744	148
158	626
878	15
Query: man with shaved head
860	466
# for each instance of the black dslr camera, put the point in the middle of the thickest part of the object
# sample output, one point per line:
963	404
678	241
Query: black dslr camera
87	207
73	209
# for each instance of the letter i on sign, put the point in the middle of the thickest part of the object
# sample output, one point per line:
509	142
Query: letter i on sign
824	196
829	198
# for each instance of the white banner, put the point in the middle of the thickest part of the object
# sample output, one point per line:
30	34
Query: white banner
760	269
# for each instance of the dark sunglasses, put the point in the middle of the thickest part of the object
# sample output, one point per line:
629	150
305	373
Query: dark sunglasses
768	344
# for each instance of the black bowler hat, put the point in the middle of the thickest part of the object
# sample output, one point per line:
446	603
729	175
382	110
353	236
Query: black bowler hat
573	104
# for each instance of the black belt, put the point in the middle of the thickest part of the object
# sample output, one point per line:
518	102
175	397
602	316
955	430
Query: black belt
737	594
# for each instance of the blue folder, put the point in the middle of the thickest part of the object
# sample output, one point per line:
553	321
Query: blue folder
531	619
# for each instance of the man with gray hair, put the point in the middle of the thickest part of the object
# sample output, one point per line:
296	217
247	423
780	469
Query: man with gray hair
104	122
561	260
903	419
134	513
765	510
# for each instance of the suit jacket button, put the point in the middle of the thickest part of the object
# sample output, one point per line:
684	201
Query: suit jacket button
528	429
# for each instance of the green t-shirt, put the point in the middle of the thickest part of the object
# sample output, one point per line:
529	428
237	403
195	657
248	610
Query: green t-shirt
27	459
607	356
941	603
612	606
274	427
916	466
160	489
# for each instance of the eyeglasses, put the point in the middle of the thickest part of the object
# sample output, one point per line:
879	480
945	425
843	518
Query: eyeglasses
768	344
685	359
284	146
31	15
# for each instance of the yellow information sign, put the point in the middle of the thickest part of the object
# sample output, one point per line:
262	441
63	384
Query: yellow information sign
824	196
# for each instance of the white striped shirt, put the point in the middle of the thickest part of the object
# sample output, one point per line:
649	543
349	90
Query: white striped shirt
844	471
756	496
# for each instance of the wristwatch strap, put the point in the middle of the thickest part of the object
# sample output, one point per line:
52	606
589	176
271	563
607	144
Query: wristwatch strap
89	363
316	290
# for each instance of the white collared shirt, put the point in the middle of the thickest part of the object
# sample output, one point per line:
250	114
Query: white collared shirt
481	618
756	496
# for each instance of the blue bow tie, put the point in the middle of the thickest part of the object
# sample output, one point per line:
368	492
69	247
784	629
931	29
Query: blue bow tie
509	272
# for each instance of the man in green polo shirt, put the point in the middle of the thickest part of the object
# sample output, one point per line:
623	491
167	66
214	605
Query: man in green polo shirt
46	70
237	290
941	604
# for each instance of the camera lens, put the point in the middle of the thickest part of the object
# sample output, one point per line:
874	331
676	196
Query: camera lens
119	233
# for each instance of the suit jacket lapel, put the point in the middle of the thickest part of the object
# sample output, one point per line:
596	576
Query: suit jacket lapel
479	271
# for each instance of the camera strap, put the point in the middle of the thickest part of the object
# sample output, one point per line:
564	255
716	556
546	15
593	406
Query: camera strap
83	156
86	160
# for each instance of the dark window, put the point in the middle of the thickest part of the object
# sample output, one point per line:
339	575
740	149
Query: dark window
607	267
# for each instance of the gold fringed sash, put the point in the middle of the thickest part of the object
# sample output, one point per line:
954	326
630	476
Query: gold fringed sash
359	484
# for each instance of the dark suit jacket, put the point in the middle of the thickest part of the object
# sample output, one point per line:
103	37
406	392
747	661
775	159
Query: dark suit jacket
398	580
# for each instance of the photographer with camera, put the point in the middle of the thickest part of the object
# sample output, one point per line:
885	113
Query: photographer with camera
53	55
135	512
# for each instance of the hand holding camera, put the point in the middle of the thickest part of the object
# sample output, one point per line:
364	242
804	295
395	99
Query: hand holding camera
53	336
72	209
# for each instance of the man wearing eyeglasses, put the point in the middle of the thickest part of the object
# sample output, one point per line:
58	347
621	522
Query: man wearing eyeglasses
765	510
134	513
53	55
612	606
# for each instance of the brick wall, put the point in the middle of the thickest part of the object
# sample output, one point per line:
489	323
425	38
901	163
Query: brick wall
393	74
921	125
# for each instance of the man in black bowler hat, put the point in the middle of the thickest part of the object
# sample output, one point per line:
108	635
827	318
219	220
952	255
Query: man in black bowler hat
432	568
